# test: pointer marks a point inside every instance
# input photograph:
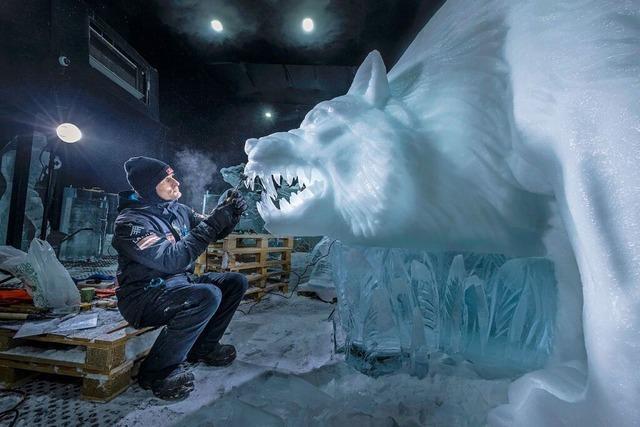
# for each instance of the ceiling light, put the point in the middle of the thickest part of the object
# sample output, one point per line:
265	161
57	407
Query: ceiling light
217	26
268	114
69	133
307	25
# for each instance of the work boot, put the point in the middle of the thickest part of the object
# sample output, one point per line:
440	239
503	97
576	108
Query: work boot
221	355
170	384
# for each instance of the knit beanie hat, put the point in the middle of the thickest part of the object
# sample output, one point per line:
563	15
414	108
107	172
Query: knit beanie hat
144	174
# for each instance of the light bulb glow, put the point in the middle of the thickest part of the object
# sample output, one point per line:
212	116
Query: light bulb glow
307	25
217	26
69	133
268	114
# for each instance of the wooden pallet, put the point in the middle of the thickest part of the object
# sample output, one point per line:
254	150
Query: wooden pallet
257	293
263	258
104	357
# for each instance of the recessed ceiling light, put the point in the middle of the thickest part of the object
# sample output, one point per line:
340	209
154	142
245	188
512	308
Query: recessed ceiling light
307	25
217	26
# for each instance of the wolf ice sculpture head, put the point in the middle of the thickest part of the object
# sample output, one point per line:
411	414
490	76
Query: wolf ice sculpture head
375	170
343	161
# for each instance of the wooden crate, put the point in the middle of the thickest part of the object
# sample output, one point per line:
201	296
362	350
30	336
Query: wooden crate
263	258
104	357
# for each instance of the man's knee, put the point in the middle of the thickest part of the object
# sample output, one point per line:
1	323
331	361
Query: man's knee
207	297
239	281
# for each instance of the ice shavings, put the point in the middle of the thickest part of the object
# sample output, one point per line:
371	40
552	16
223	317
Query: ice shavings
339	396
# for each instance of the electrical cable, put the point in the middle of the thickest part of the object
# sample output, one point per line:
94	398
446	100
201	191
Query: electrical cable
10	275
69	236
14	409
7	145
109	251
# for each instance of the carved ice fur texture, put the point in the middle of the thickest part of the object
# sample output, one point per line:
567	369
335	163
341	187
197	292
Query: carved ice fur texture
506	127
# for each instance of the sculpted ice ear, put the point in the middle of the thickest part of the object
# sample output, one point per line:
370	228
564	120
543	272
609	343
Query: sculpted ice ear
371	81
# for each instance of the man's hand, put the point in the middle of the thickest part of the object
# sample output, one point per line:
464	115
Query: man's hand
238	202
227	214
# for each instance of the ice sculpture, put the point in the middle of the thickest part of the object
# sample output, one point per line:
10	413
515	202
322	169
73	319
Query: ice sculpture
320	281
398	306
251	221
506	127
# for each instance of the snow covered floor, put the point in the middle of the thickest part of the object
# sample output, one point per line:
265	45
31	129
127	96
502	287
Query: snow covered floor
287	374
292	336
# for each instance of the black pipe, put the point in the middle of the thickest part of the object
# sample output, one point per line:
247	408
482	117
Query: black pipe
15	223
48	195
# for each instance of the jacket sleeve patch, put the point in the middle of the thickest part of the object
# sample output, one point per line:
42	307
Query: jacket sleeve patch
136	230
146	241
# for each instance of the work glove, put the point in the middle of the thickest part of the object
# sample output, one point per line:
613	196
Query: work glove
227	214
239	204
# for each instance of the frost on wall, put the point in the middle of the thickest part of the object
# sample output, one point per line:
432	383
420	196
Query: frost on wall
397	306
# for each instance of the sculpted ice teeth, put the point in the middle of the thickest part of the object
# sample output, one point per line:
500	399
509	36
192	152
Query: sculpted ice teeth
308	181
289	178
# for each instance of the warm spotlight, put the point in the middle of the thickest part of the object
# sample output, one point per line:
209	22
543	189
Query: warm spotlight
69	133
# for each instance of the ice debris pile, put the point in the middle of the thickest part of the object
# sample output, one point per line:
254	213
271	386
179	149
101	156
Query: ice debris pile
339	396
320	281
398	306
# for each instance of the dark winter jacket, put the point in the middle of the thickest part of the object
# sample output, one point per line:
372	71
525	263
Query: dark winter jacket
156	243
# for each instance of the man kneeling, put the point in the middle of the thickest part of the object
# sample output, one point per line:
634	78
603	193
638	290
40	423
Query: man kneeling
158	241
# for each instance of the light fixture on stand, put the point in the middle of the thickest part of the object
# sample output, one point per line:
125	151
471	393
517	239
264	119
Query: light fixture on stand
69	134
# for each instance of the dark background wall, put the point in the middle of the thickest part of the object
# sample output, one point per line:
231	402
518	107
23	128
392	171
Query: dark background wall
37	93
213	89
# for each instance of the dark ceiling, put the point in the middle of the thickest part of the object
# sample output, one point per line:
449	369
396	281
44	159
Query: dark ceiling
215	87
175	36
269	31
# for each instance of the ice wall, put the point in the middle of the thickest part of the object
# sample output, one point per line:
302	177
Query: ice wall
506	127
399	306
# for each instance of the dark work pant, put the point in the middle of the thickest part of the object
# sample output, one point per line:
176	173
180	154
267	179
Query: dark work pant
196	314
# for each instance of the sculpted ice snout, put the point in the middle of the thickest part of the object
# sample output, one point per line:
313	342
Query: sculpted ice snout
250	144
285	158
278	148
